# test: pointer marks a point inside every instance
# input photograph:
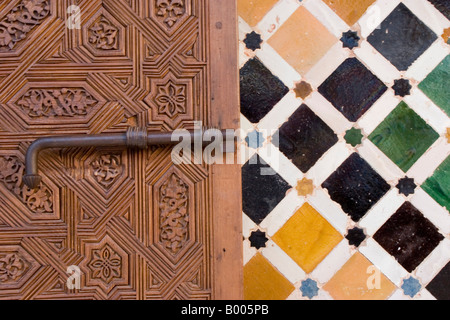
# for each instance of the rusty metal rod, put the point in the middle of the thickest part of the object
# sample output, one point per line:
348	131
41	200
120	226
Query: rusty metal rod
133	138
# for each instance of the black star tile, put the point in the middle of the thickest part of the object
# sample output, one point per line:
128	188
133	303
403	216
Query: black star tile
406	186
258	239
352	89
350	39
402	38
356	187
439	286
443	6
408	236
253	41
356	236
402	87
261	193
304	138
260	90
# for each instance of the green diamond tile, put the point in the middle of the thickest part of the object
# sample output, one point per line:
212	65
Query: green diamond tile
435	86
438	185
404	136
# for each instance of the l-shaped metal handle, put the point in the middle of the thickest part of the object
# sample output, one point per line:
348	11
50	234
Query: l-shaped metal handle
134	138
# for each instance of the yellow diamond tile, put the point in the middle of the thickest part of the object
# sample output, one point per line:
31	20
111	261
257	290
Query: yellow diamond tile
358	279
302	40
307	238
252	11
263	282
349	10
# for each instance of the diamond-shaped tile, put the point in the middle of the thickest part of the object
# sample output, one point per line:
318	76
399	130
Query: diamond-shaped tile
443	6
349	11
356	187
262	281
404	136
435	86
402	37
261	193
260	90
302	40
440	284
304	138
352	89
353	281
408	236
253	11
307	238
438	185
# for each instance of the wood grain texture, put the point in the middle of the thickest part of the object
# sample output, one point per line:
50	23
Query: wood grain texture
136	225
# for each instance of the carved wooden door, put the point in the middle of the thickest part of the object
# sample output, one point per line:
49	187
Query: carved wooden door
136	225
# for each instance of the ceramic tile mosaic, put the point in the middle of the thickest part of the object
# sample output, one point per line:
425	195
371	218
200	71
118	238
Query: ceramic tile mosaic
346	149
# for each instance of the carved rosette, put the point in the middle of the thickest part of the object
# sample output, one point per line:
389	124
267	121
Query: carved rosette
39	200
170	100
106	264
169	14
104	36
12	267
106	168
21	20
16	267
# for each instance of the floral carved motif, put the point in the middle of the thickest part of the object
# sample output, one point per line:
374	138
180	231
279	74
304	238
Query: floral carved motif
104	35
39	200
12	267
20	21
106	168
174	215
170	10
56	102
106	264
171	99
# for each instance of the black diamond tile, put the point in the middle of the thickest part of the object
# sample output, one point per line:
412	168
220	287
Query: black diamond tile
356	187
352	89
260	90
439	286
443	6
408	236
402	37
258	239
261	193
304	138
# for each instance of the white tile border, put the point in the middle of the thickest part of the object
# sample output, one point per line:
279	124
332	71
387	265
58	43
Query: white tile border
332	263
383	261
280	260
434	263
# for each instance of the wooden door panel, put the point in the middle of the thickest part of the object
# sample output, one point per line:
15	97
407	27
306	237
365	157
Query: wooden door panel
136	225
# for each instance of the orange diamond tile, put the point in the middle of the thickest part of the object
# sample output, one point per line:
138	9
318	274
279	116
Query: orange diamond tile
307	238
263	282
349	10
252	11
358	279
302	40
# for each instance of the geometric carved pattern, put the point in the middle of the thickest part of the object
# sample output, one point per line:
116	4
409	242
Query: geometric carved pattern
20	21
136	225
